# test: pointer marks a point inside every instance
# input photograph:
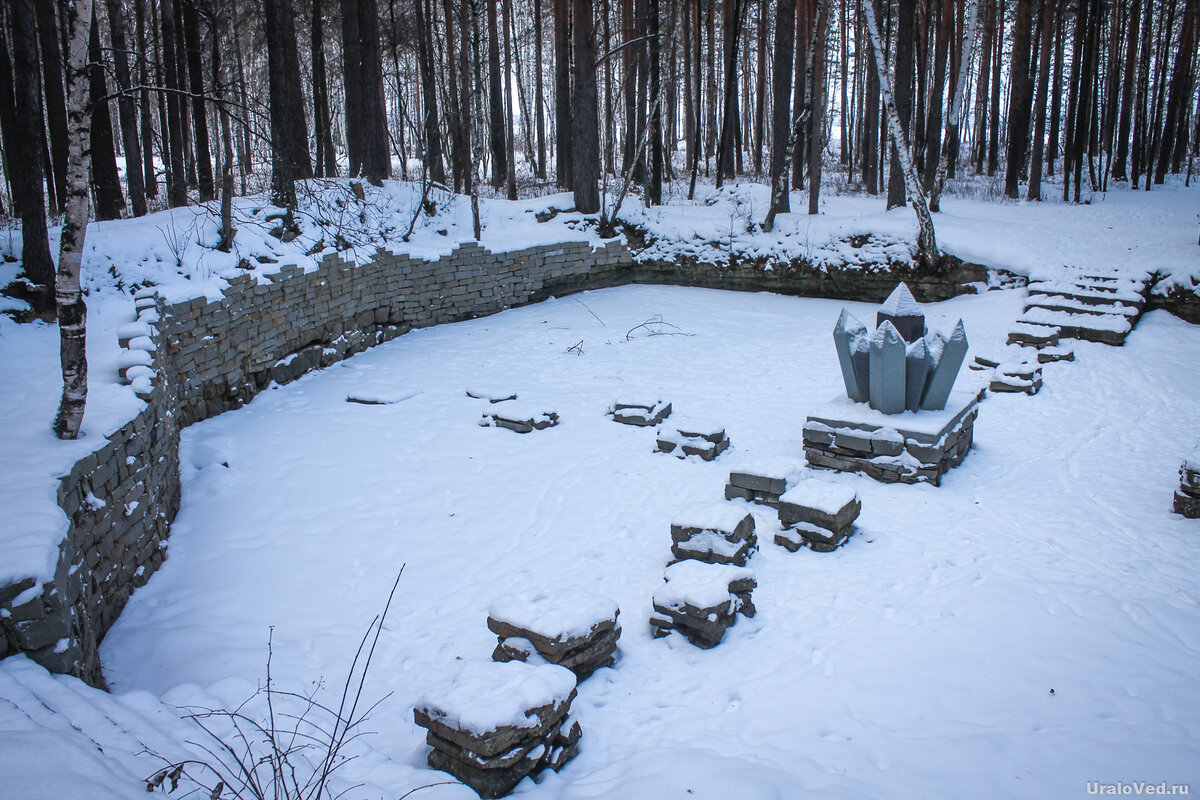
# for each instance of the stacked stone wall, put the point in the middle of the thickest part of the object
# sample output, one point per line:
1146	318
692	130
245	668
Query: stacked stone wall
197	358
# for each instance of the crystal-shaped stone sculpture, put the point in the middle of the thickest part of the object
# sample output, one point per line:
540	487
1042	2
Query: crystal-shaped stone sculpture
941	380
887	369
852	343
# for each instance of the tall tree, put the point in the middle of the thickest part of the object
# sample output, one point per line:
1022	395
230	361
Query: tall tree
782	123
377	154
24	157
943	33
1178	99
110	202
564	129
325	164
289	153
816	137
979	151
149	172
902	97
539	99
460	159
352	86
993	150
870	126
729	114
1045	30
585	110
176	177
510	157
134	177
496	137
56	110
195	70
1119	164
1020	99
429	103
72	312
958	104
655	173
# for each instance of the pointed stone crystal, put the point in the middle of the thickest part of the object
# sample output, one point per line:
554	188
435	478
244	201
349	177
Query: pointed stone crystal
941	380
902	310
916	363
850	339
887	369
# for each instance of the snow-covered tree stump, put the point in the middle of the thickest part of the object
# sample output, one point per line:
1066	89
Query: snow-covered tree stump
818	515
692	437
642	414
575	630
496	724
1187	499
715	534
702	601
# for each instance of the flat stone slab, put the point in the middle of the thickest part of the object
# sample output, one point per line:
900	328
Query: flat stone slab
702	601
1049	355
692	437
519	417
554	622
813	537
724	519
926	443
1104	328
1026	333
1017	378
820	503
1062	303
491	394
381	394
489	707
1187	505
640	414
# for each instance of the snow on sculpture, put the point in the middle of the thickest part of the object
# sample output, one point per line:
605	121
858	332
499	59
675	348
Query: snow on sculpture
900	366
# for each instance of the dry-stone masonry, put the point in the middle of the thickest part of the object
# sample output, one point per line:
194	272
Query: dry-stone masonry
518	416
196	358
719	533
496	724
692	437
1187	499
570	628
702	601
818	515
642	414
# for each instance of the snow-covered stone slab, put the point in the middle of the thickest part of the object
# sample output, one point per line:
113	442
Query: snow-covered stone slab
715	534
1062	352
1127	295
1105	328
814	537
1016	378
762	480
1062	303
640	414
496	723
910	447
571	628
519	417
821	503
701	601
381	394
491	394
1029	334
692	437
1187	499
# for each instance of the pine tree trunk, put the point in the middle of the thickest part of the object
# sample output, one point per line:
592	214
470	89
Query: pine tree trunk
352	86
958	104
148	170
933	129
56	111
1120	169
760	87
901	99
1020	100
979	151
655	173
1142	94
325	165
870	139
800	78
993	159
134	178
1188	89
816	115
563	125
195	65
782	122
509	132
585	110
926	240
72	312
24	158
433	131
289	138
110	202
1045	29
1056	90
539	95
377	153
458	164
497	140
176	177
729	118
1180	91
221	88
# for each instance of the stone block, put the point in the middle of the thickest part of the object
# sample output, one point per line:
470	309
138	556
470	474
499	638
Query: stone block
1187	505
820	503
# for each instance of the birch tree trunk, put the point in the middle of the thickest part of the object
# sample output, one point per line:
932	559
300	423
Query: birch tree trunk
958	105
72	313
926	241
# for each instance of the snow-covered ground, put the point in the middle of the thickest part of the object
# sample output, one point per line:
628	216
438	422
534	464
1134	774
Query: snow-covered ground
915	662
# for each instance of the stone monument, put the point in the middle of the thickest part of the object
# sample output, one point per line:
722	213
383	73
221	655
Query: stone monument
901	419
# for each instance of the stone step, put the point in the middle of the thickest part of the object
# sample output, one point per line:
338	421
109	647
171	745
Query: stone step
1063	303
1108	329
1088	296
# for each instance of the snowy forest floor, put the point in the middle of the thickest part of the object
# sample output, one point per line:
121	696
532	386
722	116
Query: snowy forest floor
917	660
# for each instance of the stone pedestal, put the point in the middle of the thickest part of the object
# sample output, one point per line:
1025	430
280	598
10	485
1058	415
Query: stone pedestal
702	601
572	629
1187	499
912	447
716	534
692	437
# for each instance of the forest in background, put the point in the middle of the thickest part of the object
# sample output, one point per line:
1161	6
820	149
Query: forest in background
203	98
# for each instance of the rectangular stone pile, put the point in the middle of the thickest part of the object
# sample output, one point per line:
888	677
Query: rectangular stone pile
518	416
1017	377
641	414
572	629
1187	499
702	601
817	514
496	724
685	438
757	487
719	533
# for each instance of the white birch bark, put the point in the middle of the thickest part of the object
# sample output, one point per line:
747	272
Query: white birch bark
958	103
926	241
72	312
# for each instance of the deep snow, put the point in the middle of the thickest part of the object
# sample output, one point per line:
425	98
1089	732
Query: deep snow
916	661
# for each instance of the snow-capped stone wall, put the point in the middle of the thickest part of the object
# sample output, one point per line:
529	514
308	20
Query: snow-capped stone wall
197	358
